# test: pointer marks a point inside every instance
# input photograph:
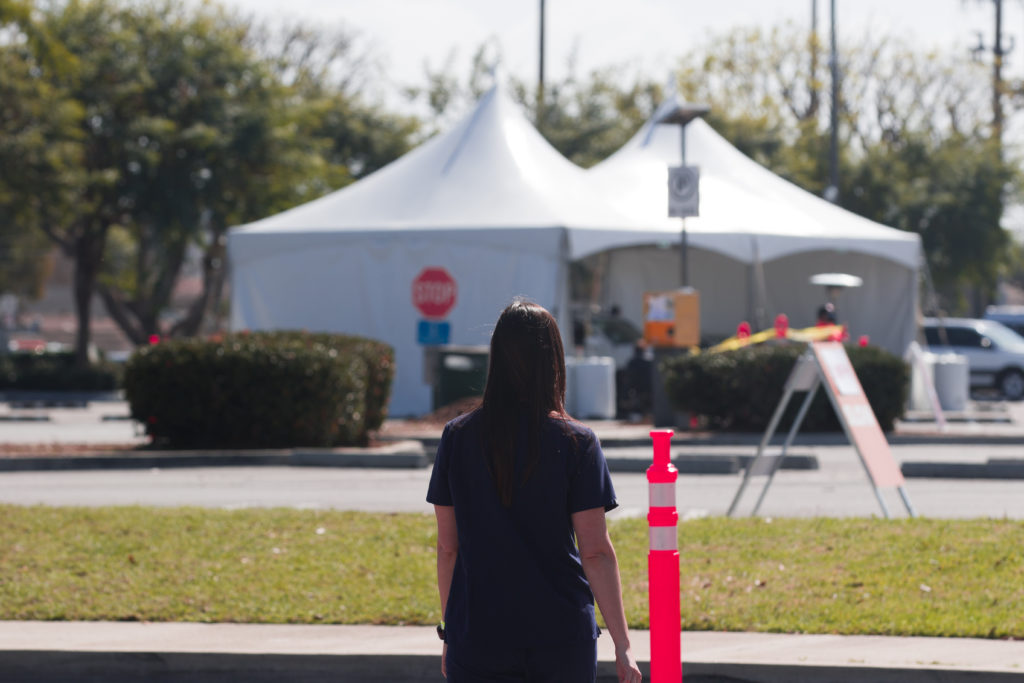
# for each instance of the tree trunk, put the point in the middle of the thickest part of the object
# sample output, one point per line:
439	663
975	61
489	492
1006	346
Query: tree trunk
85	283
123	315
157	269
214	271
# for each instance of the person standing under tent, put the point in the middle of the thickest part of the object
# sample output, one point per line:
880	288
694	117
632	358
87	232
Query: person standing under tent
520	492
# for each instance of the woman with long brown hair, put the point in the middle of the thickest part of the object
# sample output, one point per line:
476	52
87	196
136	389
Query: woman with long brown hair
520	492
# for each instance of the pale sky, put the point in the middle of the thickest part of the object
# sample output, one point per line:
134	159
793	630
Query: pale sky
648	35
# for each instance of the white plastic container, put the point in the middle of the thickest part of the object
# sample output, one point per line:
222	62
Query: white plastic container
918	389
590	387
952	381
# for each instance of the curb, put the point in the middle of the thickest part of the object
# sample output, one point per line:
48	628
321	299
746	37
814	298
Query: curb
27	398
994	468
751	440
401	454
56	666
702	463
723	672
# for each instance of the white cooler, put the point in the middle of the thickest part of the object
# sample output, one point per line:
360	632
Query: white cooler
590	387
952	381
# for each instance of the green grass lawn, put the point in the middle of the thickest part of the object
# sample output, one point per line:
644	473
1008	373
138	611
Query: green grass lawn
910	577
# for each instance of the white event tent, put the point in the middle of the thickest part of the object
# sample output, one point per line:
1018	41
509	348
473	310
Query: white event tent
756	243
493	204
490	201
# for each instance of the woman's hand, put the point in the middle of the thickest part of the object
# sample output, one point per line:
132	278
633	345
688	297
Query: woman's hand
444	658
625	666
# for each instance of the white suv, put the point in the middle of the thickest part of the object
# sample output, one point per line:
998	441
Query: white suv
995	353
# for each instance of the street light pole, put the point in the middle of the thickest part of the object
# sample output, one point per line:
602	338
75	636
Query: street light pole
997	75
681	114
540	69
832	191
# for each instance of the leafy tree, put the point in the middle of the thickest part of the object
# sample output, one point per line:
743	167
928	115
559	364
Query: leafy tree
29	107
446	96
916	149
24	262
40	149
951	193
589	119
203	145
585	118
168	124
325	72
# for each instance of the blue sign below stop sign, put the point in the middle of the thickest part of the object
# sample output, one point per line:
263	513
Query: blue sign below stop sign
433	332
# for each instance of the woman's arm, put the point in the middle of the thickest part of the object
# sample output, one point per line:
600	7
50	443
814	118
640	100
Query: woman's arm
602	569
447	550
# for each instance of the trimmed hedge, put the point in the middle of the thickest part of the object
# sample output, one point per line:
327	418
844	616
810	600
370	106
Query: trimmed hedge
54	371
739	390
379	357
260	390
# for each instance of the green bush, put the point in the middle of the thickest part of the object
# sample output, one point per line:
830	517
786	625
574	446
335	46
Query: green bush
739	390
54	371
259	390
379	357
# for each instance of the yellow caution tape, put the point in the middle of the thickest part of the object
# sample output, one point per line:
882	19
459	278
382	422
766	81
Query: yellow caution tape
808	334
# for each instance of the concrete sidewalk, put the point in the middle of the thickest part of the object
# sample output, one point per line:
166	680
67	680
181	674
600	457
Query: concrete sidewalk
113	652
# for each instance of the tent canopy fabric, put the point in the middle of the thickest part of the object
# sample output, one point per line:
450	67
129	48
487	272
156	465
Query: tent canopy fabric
773	236
739	200
493	170
490	201
494	205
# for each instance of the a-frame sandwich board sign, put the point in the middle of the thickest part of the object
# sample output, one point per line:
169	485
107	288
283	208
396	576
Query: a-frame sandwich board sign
826	363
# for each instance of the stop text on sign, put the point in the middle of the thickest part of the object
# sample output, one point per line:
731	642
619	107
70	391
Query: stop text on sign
434	292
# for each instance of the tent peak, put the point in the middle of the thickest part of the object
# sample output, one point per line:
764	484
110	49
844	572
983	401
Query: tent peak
467	130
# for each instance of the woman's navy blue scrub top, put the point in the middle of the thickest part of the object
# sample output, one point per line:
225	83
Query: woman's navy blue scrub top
518	580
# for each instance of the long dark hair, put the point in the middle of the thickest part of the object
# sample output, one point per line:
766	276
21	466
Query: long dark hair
525	379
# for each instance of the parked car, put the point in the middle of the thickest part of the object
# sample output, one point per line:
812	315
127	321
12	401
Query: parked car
995	353
1011	316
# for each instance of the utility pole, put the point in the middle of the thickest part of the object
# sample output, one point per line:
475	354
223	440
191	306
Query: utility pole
832	191
812	106
997	76
540	74
999	51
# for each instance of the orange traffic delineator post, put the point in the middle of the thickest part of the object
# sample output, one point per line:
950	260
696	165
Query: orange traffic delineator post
663	565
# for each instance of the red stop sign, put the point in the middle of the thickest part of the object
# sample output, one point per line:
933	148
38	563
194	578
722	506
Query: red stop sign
433	292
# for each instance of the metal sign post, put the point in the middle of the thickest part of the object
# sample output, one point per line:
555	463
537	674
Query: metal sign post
683	201
826	363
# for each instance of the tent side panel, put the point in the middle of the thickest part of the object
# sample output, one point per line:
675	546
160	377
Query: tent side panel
883	308
722	283
364	286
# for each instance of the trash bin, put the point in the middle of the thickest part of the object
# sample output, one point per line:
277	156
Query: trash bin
590	387
952	381
461	372
922	374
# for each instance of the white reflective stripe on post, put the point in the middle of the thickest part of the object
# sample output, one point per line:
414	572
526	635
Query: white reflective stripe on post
662	495
664	538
